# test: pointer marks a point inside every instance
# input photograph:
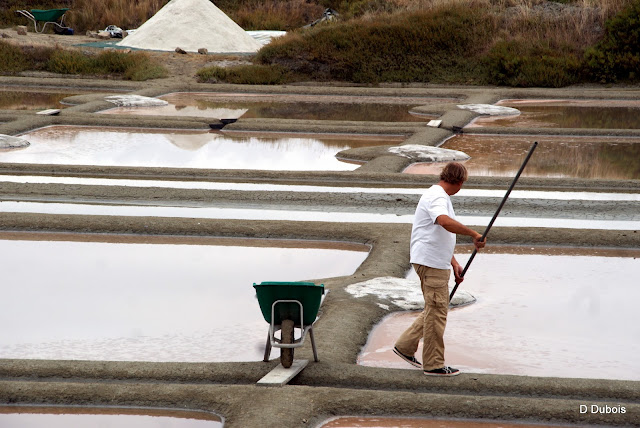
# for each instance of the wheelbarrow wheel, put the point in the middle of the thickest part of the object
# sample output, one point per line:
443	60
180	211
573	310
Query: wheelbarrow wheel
286	354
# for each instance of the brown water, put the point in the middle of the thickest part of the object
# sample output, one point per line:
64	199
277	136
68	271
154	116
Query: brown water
130	298
601	114
615	158
287	106
33	99
546	313
389	422
103	417
79	145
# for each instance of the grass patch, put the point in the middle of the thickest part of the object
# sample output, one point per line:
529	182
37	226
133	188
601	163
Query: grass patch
129	66
246	74
70	62
13	59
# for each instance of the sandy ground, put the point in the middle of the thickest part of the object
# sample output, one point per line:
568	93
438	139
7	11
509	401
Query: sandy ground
335	385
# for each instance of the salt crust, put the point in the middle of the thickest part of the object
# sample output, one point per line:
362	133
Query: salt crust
490	109
10	142
135	101
420	153
191	25
405	293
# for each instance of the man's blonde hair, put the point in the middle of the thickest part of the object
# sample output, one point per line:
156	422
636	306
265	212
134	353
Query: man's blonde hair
454	173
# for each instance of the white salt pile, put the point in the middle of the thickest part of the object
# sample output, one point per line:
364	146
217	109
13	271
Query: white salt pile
191	25
490	109
135	101
420	153
9	142
405	293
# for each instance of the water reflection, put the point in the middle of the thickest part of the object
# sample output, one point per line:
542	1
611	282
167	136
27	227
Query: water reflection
191	149
287	106
614	158
601	114
29	99
125	298
103	417
585	302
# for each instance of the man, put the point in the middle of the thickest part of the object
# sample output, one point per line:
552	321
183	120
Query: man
433	239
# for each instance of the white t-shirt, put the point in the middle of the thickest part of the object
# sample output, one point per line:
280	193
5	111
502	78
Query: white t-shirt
431	244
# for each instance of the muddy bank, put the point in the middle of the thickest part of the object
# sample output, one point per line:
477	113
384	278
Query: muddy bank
360	178
393	202
243	406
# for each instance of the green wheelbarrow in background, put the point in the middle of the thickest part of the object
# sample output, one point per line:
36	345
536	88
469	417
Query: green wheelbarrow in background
287	306
50	16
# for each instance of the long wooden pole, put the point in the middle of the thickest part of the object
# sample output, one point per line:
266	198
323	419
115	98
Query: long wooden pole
486	232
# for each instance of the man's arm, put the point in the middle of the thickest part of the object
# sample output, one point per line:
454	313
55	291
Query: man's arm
457	269
458	228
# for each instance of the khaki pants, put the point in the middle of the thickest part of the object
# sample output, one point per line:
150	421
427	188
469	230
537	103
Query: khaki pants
431	322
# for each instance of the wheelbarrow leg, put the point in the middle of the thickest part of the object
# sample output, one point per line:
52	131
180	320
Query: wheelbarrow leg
313	345
267	349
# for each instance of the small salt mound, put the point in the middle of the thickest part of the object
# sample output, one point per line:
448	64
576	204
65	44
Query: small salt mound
405	293
191	25
420	153
265	36
135	101
9	142
490	109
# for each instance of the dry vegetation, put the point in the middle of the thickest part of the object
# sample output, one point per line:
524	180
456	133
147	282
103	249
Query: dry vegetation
510	42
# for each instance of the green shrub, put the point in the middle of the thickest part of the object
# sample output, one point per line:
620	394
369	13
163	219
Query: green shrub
246	74
522	62
70	62
37	56
144	69
115	62
436	46
13	59
617	55
131	66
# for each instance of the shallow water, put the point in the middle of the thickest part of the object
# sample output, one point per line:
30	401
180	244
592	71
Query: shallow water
131	298
615	158
601	114
103	417
76	145
286	106
33	99
545	313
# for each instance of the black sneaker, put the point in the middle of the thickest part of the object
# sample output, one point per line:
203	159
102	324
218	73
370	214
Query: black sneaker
445	371
411	360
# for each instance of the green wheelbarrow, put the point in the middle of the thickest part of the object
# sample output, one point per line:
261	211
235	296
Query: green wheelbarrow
49	16
287	306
